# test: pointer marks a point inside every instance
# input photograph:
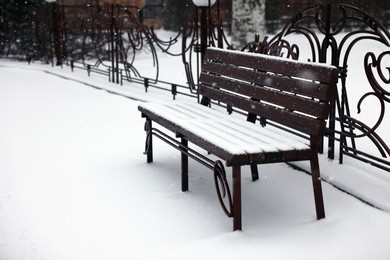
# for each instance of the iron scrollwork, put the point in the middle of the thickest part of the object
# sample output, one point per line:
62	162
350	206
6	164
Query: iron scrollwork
336	32
112	36
222	187
221	183
380	94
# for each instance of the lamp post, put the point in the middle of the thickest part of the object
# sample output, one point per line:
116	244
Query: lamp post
204	6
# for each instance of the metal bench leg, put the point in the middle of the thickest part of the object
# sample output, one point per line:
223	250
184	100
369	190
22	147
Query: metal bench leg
184	165
316	178
149	141
255	172
237	222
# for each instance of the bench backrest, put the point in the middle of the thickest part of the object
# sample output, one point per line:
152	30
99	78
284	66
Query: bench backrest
294	94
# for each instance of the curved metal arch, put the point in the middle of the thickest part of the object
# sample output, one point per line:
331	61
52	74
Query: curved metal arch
376	32
222	188
328	43
376	63
297	26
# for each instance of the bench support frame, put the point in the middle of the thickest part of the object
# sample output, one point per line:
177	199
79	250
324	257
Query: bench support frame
294	96
230	202
231	205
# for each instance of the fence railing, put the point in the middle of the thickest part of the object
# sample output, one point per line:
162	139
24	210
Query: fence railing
339	31
111	40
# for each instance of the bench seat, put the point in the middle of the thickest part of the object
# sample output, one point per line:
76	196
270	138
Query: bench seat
229	137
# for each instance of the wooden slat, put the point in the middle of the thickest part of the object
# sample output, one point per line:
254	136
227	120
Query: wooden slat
289	101
195	139
287	67
294	85
231	158
294	120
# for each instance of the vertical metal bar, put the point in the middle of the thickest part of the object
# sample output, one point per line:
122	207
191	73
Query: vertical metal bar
254	172
116	35
174	90
327	33
184	164
220	35
112	43
229	109
237	221
341	149
197	45
325	46
203	32
146	84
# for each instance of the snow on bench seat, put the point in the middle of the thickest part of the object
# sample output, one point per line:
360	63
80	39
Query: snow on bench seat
232	134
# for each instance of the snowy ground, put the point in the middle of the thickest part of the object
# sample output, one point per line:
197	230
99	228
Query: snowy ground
74	184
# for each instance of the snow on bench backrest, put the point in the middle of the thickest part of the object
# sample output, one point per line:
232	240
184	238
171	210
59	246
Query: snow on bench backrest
292	93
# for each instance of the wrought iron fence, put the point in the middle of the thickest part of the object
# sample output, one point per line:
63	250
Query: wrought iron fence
111	39
333	41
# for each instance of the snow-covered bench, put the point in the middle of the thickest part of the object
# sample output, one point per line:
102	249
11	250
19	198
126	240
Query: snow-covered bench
291	94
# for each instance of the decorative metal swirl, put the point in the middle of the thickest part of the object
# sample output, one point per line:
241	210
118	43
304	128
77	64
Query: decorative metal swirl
353	124
380	94
325	47
222	187
279	46
191	47
376	63
112	36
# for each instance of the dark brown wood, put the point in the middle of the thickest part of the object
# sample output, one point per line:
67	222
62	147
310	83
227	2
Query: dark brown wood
184	165
275	95
293	94
310	71
262	78
237	211
297	121
194	138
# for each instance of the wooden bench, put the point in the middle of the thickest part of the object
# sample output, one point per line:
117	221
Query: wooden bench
291	94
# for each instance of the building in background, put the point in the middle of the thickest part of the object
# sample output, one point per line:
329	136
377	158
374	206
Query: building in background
138	3
277	12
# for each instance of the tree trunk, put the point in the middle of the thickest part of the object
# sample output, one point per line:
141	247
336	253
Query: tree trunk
248	20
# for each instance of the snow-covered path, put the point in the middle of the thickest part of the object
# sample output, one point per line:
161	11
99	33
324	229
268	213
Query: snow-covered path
74	184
